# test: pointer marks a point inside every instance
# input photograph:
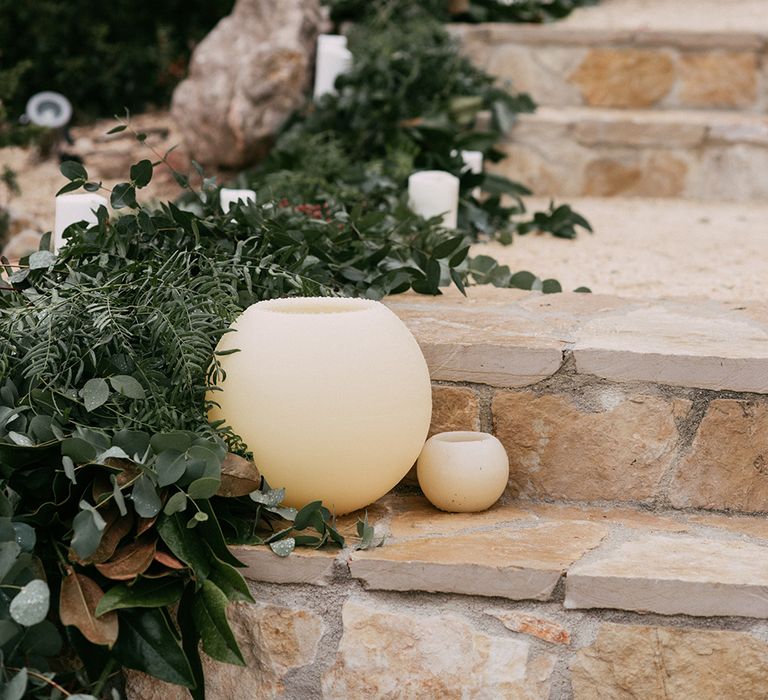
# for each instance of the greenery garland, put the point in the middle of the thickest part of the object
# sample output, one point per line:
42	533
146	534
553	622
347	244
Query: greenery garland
118	499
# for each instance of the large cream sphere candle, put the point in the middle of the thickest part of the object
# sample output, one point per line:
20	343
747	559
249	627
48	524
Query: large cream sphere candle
71	208
434	192
463	471
331	395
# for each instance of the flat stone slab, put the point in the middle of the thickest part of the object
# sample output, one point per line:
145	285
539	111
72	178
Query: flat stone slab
741	24
505	338
674	575
518	564
302	566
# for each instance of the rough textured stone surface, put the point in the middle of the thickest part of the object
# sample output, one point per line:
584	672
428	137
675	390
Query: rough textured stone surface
624	77
719	79
454	408
303	566
415	517
518	564
245	79
617	448
274	640
680	343
473	341
673	575
727	465
666	663
525	623
385	654
553	149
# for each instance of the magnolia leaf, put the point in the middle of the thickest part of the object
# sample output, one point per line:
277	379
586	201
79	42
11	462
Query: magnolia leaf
30	605
77	607
185	544
230	581
94	394
113	534
239	476
209	612
129	561
148	643
145	498
144	594
168	560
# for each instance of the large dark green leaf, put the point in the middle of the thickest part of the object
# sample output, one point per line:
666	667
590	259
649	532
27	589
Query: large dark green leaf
185	544
147	643
146	593
209	611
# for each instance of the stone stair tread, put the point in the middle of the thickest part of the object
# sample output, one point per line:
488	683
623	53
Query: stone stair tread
506	338
671	127
652	247
691	23
611	557
674	575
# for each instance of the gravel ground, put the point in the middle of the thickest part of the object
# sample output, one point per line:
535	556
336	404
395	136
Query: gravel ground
653	248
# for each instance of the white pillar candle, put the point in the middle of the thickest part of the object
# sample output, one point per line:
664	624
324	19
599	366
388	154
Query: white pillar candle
434	192
71	208
333	59
473	161
229	197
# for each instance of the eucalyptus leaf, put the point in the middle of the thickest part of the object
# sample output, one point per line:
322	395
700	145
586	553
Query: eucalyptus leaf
31	603
145	498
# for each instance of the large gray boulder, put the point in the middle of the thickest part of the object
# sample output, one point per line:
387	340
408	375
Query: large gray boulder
245	79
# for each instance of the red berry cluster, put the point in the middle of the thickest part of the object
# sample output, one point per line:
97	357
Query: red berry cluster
313	211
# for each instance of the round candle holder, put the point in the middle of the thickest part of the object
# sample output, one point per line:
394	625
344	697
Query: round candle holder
331	395
463	471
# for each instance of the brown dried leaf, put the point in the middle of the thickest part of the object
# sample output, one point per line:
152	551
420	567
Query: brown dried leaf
129	469
113	533
144	525
129	561
77	606
168	560
239	477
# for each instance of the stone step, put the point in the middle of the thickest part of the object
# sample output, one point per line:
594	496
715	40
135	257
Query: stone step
669	563
596	398
637	54
651	247
519	601
573	151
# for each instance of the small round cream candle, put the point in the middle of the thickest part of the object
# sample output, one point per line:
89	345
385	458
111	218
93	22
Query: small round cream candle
228	197
463	471
333	59
71	208
434	192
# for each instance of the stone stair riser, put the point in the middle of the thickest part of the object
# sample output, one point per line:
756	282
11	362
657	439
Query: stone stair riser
610	154
622	70
614	72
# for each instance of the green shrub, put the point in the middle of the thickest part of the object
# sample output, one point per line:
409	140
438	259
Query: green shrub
103	56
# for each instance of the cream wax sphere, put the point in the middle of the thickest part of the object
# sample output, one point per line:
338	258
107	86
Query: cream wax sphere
332	396
463	472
